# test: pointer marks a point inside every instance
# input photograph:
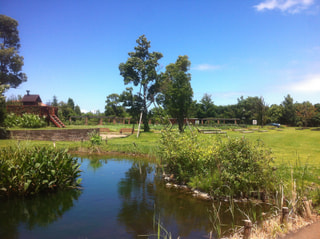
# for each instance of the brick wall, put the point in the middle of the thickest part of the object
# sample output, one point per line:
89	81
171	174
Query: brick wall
52	135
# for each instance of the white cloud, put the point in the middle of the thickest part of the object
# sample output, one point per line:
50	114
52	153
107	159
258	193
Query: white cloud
311	84
291	6
206	67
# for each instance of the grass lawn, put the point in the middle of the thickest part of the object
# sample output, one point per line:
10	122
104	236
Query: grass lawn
287	144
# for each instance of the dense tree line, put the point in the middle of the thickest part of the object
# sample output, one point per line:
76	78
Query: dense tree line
248	109
65	109
288	112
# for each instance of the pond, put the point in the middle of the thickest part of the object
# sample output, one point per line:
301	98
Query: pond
120	198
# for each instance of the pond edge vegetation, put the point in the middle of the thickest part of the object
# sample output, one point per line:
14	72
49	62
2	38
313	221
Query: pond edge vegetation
235	167
26	171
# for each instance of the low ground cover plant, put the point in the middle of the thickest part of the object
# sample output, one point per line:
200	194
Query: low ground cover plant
30	170
223	167
25	121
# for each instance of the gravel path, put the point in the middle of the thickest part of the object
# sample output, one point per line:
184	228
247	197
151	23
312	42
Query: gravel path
309	232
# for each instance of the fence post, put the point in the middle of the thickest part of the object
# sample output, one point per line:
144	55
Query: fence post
307	207
284	215
247	229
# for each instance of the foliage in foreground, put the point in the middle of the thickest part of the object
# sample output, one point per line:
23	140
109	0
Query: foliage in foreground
30	170
232	166
25	121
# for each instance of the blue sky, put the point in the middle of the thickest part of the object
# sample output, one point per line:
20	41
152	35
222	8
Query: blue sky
267	48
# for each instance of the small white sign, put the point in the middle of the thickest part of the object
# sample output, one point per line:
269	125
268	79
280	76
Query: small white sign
254	122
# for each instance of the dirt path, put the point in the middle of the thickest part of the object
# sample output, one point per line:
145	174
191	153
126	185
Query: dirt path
311	231
111	136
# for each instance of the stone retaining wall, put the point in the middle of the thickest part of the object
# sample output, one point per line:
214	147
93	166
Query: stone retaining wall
52	135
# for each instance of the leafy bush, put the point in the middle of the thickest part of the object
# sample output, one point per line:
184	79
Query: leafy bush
25	121
25	171
95	138
222	166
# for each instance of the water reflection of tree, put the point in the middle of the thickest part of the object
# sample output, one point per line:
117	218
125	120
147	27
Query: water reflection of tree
137	208
40	210
180	213
95	162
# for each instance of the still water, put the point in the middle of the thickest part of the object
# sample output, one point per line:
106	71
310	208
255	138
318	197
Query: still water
120	199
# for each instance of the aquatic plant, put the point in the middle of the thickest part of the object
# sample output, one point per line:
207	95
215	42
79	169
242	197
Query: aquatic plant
30	170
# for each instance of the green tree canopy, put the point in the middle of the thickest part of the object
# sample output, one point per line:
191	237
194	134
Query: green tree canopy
2	104
114	106
274	113
141	70
177	89
305	113
132	103
54	101
10	61
289	111
206	107
77	110
71	103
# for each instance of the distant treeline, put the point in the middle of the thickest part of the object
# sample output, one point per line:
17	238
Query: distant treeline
288	112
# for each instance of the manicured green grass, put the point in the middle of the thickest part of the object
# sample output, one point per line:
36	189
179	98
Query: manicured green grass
288	145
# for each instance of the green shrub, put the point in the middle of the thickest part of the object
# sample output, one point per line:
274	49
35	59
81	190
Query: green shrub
27	171
95	138
222	166
244	166
25	121
182	154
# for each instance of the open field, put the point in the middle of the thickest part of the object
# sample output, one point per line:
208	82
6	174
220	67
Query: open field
289	145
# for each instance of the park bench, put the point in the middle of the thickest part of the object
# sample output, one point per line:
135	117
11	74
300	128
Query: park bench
126	130
104	130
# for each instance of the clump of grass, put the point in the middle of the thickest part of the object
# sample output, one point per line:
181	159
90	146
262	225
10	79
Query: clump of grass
272	228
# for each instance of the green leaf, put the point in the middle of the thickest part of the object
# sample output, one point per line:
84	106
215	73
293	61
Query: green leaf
26	185
79	180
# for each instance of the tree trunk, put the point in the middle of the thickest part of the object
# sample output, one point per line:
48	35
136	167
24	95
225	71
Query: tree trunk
146	127
181	124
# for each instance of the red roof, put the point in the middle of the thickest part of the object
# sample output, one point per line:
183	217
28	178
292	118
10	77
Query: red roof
31	98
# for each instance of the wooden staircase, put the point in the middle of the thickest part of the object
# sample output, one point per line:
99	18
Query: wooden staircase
54	119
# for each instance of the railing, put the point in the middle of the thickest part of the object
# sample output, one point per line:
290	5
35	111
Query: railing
32	109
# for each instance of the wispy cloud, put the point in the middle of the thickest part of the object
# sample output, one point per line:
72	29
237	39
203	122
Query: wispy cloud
291	6
206	67
311	84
